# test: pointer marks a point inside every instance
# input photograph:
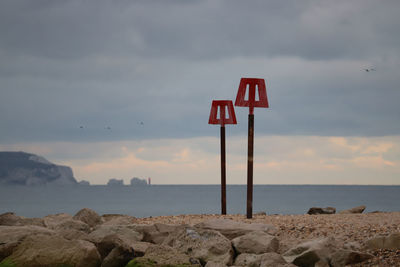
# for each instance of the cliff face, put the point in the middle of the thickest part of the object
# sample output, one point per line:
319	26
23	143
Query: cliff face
20	168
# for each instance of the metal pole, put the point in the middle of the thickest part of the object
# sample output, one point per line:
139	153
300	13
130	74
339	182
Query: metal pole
250	153
223	172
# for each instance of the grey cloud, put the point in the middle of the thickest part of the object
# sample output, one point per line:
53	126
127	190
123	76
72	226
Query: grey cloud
116	63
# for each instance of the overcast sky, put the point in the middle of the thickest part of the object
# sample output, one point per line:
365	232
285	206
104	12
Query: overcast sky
117	89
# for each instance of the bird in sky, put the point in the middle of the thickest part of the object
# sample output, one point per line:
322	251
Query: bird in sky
370	69
108	128
81	127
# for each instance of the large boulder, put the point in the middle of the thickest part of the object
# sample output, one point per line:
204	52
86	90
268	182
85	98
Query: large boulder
88	216
205	245
163	255
51	221
255	260
66	226
316	210
114	251
232	229
247	259
156	233
10	219
391	241
257	242
11	236
47	251
345	257
127	233
358	209
273	259
311	252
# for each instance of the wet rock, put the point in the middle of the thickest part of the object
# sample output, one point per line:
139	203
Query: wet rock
344	257
232	229
256	242
316	210
358	209
205	245
88	216
45	250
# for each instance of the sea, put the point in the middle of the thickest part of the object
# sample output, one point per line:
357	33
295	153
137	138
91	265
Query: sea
160	200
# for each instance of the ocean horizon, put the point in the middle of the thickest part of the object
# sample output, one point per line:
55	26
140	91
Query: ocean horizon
163	200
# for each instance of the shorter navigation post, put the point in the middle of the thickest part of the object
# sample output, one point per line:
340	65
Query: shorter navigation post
253	84
225	108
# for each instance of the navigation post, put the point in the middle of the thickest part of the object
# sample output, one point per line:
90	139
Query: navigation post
253	84
226	116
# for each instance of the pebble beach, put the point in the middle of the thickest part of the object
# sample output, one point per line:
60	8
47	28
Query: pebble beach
347	229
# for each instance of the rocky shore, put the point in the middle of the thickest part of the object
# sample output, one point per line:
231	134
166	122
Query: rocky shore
87	239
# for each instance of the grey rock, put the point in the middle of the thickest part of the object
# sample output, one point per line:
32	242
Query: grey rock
88	216
316	210
255	260
205	245
11	236
247	259
156	233
257	242
311	252
345	257
215	264
53	250
272	259
127	233
114	251
10	219
358	209
51	221
232	229
163	255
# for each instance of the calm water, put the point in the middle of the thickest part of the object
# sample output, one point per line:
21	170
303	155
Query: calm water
193	199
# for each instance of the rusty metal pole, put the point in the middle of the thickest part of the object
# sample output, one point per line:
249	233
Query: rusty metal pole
250	154
223	172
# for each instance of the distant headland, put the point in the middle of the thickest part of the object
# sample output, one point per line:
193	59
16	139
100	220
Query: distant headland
26	169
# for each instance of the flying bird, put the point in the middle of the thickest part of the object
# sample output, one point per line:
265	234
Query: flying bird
108	128
81	127
370	69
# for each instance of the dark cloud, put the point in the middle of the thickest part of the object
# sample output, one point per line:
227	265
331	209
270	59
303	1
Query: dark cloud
64	64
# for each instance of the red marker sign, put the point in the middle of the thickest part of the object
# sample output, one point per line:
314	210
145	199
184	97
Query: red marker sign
253	84
226	116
